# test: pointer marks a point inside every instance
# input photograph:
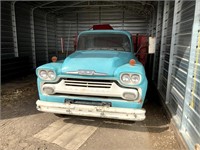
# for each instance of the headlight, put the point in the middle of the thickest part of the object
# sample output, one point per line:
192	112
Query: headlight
47	74
51	75
43	74
130	78
125	78
135	78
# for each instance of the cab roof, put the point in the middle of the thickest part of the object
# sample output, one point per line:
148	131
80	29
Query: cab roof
106	31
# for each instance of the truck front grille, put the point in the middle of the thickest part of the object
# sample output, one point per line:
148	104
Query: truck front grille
88	83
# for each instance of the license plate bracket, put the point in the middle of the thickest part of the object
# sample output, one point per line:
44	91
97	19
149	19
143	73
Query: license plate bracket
87	102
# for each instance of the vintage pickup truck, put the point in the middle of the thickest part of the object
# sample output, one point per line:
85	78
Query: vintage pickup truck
102	78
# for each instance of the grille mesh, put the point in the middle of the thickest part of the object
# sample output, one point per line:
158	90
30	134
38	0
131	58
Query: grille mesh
88	83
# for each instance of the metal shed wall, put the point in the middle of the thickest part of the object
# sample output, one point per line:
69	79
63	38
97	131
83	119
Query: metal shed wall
51	35
31	32
165	47
159	26
66	28
14	40
40	37
7	43
17	41
179	57
23	29
70	24
191	108
178	78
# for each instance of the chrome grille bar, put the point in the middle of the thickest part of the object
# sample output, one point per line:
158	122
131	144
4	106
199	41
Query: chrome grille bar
90	83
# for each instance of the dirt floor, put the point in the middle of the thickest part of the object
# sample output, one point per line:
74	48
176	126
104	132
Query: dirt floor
23	127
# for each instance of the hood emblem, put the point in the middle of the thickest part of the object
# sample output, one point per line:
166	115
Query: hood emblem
86	72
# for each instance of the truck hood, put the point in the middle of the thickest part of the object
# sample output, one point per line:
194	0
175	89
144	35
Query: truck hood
101	62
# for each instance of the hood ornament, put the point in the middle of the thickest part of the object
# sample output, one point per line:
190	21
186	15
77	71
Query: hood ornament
86	72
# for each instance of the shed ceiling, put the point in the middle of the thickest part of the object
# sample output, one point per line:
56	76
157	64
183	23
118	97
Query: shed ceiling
60	7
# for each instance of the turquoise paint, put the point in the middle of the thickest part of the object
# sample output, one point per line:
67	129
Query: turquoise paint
113	63
99	60
115	103
56	67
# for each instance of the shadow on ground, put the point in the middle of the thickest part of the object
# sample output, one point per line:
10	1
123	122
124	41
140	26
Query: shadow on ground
19	97
156	120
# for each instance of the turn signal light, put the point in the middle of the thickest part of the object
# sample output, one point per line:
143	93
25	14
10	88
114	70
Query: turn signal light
54	59
48	90
132	62
130	96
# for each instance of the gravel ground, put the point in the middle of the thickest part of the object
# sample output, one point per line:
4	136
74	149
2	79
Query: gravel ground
20	121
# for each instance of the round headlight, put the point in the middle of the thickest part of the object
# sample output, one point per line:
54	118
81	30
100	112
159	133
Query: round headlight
51	75
135	78
43	74
125	78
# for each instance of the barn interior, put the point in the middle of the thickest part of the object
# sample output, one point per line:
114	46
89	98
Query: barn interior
31	33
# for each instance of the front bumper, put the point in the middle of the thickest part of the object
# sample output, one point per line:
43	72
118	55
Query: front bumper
92	111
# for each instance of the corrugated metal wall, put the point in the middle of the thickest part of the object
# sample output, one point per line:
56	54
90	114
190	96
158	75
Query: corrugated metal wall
7	43
165	47
179	56
66	27
17	40
44	34
178	79
40	37
14	42
23	29
176	62
159	26
51	35
69	25
190	125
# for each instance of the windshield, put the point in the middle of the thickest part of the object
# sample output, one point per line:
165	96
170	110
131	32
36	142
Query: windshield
104	41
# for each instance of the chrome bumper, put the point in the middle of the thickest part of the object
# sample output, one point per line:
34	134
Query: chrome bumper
92	111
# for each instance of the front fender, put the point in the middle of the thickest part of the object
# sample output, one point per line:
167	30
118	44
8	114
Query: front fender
51	66
137	69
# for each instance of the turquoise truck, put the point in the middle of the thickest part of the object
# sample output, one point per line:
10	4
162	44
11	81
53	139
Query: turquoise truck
102	78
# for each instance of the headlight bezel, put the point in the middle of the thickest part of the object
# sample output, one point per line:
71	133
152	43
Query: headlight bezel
130	77
50	75
137	76
47	73
41	76
121	78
